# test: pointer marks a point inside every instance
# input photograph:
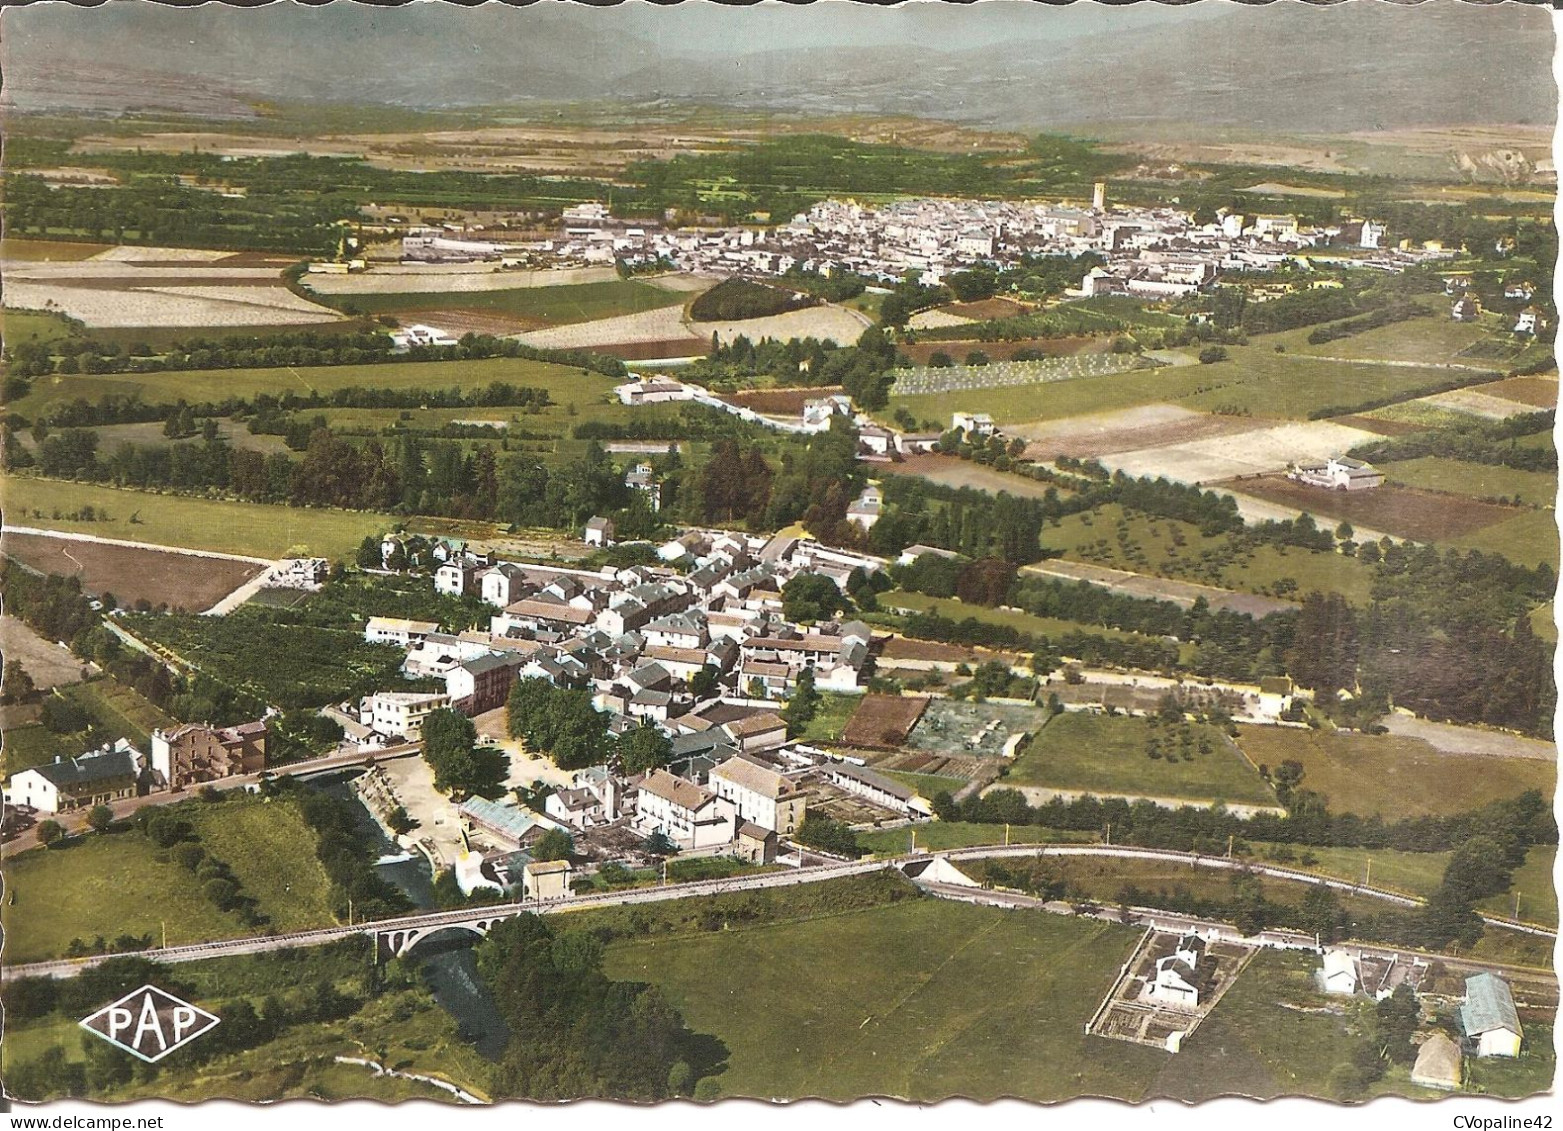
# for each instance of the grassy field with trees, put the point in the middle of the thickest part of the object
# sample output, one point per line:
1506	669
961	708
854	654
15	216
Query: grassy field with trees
1140	757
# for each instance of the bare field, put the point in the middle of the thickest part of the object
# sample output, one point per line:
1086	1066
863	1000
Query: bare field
953	472
417	279
1246	452
1149	426
936	319
1538	392
1381	427
101	307
133	573
883	721
664	324
1183	593
827	323
1419	515
48	663
1474	403
782	401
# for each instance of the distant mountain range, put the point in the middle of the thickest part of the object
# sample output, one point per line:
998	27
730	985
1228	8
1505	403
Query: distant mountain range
1287	66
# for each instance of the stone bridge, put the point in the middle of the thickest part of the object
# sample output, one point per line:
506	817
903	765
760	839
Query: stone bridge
398	942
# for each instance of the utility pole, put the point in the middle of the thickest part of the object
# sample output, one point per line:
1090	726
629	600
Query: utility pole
1367	880
165	923
1516	905
1006	834
1229	846
1109	832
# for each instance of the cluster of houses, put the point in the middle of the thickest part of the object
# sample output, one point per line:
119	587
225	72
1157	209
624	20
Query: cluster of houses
1488	1021
697	647
1152	252
186	756
1467	306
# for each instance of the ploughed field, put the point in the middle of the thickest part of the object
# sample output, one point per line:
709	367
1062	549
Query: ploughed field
131	573
1422	516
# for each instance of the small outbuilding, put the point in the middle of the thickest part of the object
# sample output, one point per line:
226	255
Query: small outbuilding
1438	1064
1490	1021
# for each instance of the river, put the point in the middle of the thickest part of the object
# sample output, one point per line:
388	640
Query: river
449	966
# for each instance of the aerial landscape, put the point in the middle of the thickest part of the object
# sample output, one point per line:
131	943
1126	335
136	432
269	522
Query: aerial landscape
696	553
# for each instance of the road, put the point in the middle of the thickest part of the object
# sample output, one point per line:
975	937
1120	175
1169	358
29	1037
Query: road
76	821
813	873
187	551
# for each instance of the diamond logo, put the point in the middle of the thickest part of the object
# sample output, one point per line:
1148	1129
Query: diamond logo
150	1023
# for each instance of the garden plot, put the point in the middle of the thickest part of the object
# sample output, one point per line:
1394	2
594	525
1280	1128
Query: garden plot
1004	374
1243	453
951	728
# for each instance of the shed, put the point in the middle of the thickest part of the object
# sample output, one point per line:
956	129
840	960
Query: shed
1437	1064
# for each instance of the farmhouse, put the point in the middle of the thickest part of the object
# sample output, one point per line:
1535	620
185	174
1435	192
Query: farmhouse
974	424
192	753
94	778
652	391
1529	321
1488	1017
1338	473
426	337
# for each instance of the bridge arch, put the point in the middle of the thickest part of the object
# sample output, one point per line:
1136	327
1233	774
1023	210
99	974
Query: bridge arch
401	941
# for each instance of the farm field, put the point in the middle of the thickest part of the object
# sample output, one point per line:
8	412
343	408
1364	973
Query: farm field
131	573
110	436
667	324
974	380
921	352
1257	380
1019	404
203	386
1393	776
1477	480
450	278
831	719
203	307
112	884
1093	537
1148	426
523	308
952	472
1108	755
46	661
1539	392
923	1006
1478	402
1530	537
1422	516
928	786
45	251
1225	454
1434	340
256	529
1533	883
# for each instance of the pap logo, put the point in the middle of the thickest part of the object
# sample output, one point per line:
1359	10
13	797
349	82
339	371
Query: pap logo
150	1023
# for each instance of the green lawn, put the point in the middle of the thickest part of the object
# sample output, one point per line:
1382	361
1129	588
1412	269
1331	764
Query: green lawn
923	1000
1394	776
1533	883
257	529
928	785
1108	755
1433	340
1168	548
547	306
114	884
209	385
1478	480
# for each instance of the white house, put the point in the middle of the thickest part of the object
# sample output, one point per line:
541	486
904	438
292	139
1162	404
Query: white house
1529	321
406	338
974	424
500	584
94	778
1182	976
454	578
1339	973
400	713
1338	473
598	532
395	630
685	813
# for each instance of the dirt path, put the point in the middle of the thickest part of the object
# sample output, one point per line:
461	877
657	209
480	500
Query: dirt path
1448	738
1183	593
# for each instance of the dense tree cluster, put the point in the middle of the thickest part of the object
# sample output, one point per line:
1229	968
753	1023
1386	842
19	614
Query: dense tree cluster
574	1032
737	299
1474	440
